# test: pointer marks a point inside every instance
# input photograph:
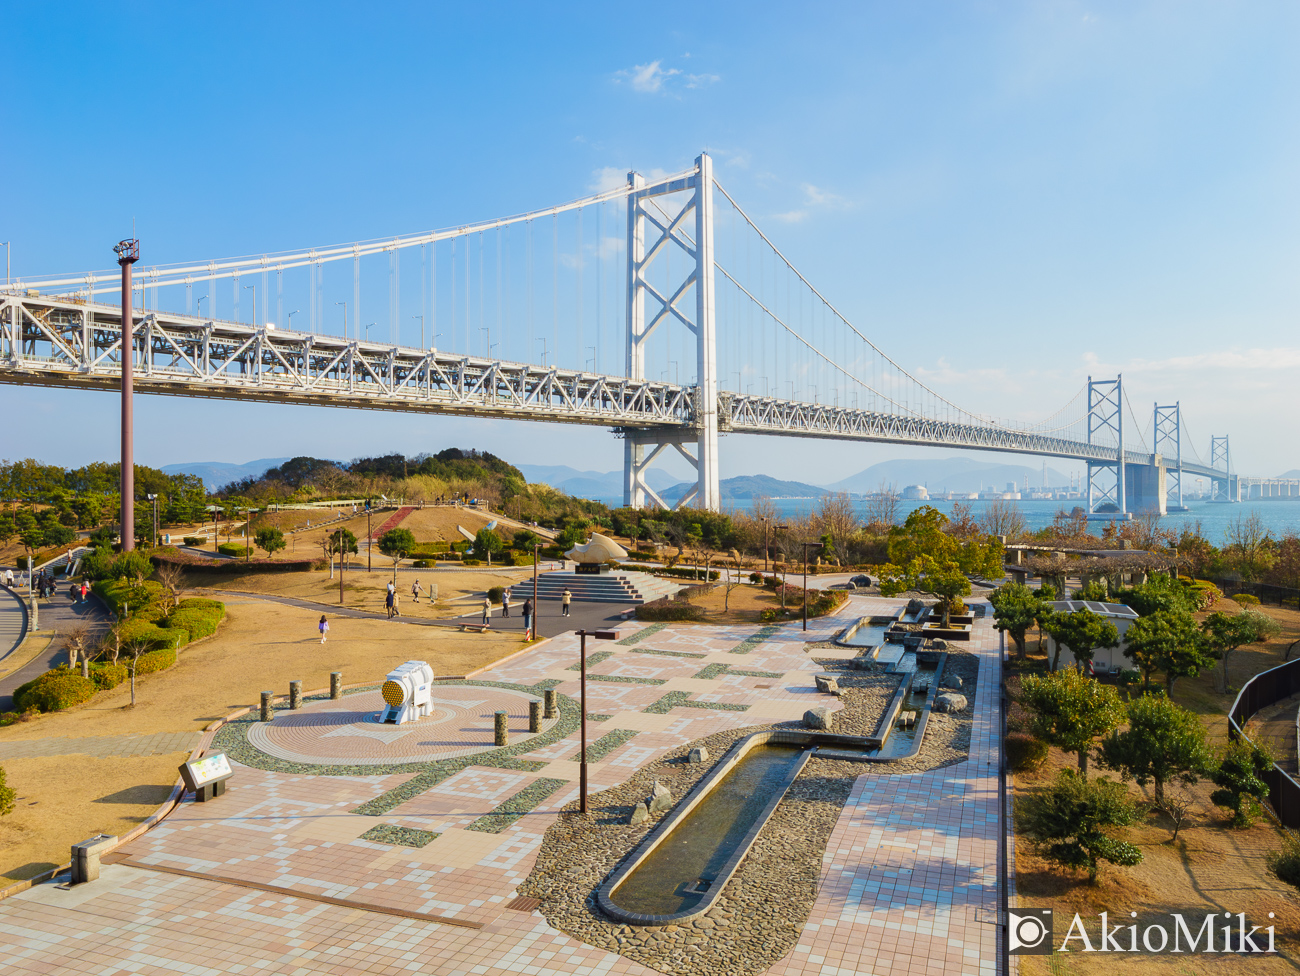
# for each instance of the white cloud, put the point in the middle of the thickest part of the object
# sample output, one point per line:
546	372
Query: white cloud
648	77
610	177
791	216
817	197
702	81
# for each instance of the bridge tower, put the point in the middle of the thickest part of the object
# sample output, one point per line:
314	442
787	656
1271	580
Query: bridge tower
1168	426
1106	412
652	210
1225	489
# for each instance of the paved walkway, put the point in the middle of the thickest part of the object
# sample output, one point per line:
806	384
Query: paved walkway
59	614
102	746
396	871
12	619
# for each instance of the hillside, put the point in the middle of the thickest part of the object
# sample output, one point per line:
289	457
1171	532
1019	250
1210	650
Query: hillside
750	486
215	474
946	474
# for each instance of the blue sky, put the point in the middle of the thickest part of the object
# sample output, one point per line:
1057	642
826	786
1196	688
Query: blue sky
1005	196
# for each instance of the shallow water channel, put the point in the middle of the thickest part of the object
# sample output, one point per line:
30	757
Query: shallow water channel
700	845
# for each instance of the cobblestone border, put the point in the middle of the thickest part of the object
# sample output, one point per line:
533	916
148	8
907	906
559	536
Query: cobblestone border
643	633
592	660
753	640
681	699
522	802
626	680
715	670
606	744
757	674
593	717
399	836
649	650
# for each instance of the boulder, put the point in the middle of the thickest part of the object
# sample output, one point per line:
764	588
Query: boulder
639	815
818	718
827	684
699	754
950	702
660	799
950	681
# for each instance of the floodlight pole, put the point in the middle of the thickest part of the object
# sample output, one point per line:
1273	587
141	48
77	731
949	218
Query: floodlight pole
128	253
536	546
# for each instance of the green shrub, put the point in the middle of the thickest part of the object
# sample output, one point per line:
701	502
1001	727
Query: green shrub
7	795
7	719
153	636
158	660
195	540
473	562
666	609
203	603
1024	752
106	676
54	691
234	549
1246	600
120	594
1286	862
680	572
422	563
199	618
495	593
522	559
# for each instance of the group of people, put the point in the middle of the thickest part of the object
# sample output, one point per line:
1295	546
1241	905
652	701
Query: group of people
526	613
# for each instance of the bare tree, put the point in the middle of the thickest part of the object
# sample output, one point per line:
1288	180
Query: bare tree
1249	545
838	518
110	646
172	577
1177	806
1002	517
882	508
962	523
77	643
133	650
730	580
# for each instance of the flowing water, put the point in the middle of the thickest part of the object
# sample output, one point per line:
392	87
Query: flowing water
700	845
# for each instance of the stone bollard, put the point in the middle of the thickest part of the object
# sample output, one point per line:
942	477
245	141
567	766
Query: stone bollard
86	855
295	694
336	685
549	696
535	715
503	728
266	705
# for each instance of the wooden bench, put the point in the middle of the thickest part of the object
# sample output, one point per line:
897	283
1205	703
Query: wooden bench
476	628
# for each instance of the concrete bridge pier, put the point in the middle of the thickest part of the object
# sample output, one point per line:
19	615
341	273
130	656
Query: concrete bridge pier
1226	489
1147	487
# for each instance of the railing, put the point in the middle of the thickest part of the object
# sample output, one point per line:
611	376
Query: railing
1263	690
1283	596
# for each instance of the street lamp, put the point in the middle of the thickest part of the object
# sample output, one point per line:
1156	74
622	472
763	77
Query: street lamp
776	528
254	288
291	315
536	606
154	499
544	351
421	318
199	304
582	768
345	318
489	338
368	325
806	546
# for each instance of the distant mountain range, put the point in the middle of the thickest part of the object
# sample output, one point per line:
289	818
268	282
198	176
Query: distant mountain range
1293	473
750	486
947	474
599	485
215	474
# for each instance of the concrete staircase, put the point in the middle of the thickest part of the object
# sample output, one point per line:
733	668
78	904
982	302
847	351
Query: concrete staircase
613	587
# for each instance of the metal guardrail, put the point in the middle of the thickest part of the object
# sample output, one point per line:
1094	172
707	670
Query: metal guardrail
1267	688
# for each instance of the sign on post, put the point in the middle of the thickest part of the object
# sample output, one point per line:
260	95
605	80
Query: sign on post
206	777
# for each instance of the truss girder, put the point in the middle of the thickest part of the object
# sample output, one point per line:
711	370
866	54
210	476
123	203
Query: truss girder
56	342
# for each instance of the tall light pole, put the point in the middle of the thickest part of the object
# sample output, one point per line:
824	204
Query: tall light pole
128	253
582	650
421	318
806	547
544	350
536	606
291	315
154	499
345	318
199	305
254	290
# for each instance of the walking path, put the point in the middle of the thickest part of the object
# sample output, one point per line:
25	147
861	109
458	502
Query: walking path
396	869
13	620
102	746
60	615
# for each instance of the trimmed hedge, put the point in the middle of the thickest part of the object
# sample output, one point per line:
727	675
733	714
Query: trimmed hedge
236	567
234	549
120	593
158	660
151	634
106	676
198	622
1245	599
681	572
54	691
1024	752
195	540
666	609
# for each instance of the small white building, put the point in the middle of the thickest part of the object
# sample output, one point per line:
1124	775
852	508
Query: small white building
1106	659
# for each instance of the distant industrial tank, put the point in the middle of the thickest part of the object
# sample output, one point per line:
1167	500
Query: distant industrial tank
916	493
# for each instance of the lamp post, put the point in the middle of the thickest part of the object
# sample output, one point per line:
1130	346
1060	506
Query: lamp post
198	302
544	351
536	606
154	499
806	546
421	318
254	289
291	315
368	539
582	768
345	318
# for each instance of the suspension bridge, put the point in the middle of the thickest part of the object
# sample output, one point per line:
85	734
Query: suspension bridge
696	323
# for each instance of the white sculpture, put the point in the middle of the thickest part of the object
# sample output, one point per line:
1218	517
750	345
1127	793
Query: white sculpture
598	549
406	693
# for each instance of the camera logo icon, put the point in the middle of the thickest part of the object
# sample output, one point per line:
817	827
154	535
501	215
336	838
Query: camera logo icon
1031	934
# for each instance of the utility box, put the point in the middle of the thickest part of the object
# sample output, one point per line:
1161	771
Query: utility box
406	692
86	855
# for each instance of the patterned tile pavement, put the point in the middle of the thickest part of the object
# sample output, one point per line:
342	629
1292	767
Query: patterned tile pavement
909	877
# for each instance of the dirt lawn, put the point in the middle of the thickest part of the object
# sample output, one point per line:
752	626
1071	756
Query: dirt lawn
1210	868
259	647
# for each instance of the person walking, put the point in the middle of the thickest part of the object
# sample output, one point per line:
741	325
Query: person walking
528	618
9	578
565	599
415	592
391	587
396	610
85	590
388	602
323	627
487	611
505	603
